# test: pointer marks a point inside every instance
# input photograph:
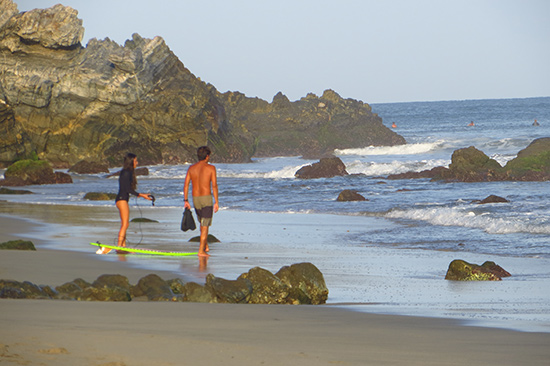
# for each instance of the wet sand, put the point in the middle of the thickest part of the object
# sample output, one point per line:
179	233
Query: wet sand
55	332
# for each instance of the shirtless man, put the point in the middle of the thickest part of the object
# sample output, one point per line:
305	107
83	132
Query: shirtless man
202	176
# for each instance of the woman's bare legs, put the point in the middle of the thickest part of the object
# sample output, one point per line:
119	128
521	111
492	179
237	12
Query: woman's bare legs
124	211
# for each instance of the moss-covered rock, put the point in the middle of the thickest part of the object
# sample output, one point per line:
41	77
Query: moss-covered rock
531	163
18	245
14	191
460	270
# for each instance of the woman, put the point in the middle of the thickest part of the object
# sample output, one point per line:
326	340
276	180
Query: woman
127	184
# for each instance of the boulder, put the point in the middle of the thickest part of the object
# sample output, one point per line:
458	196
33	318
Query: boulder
325	168
349	195
89	167
460	270
493	199
18	245
21	290
531	163
155	288
227	291
306	278
266	287
193	292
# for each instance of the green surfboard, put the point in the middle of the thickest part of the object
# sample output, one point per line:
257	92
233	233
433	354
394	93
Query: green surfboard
144	250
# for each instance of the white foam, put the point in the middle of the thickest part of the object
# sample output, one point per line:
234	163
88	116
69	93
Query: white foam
392	167
465	217
408	149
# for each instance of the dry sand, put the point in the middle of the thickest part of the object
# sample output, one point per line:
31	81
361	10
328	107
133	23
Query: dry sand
55	332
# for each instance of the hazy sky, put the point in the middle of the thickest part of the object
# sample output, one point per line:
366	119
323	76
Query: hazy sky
374	51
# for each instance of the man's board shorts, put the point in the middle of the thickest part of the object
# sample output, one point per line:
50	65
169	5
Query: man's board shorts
204	207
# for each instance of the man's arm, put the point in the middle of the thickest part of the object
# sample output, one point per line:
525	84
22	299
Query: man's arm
186	190
215	189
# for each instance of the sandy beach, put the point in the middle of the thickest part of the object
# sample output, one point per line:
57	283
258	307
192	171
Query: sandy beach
55	332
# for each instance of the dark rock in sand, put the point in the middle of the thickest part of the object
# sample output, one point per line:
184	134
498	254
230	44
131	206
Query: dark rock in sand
325	168
143	220
209	239
493	199
14	191
18	245
306	278
89	167
100	196
460	270
266	287
349	195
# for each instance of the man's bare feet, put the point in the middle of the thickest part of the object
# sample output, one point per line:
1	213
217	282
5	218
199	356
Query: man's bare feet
201	254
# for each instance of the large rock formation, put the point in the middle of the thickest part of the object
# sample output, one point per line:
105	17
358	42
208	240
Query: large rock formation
66	103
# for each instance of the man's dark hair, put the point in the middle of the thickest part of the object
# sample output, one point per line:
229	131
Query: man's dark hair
203	152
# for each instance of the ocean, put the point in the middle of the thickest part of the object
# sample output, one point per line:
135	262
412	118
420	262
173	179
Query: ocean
423	224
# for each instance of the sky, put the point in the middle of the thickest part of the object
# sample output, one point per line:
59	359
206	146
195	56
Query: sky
370	50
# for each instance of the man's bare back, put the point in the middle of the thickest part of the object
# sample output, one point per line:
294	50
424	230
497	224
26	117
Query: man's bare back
202	176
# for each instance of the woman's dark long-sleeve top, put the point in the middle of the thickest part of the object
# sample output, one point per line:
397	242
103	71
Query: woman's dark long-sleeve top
125	185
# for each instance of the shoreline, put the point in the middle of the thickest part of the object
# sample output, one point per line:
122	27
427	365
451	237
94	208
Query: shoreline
54	332
391	281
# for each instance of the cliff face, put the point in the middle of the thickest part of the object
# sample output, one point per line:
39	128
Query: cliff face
65	102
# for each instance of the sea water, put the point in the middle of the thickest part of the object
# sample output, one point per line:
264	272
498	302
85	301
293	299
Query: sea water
428	223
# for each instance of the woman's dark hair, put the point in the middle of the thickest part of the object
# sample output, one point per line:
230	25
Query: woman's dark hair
129	165
203	152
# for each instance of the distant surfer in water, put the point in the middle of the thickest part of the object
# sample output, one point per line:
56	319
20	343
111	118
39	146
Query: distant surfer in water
202	176
393	125
536	123
127	184
471	124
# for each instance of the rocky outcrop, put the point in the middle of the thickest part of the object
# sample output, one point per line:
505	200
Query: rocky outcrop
300	283
349	195
67	103
472	165
311	127
27	172
325	168
460	270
